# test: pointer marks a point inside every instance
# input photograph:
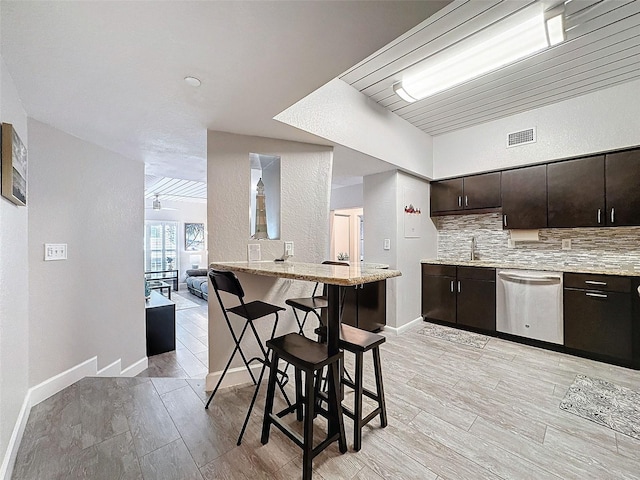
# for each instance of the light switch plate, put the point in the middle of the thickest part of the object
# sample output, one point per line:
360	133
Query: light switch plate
55	251
387	244
566	244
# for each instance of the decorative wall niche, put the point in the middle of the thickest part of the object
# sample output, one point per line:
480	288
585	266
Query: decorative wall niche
264	213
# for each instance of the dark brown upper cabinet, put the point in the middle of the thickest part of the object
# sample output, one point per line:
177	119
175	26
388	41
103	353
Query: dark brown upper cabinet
482	191
524	198
622	174
446	195
468	193
576	193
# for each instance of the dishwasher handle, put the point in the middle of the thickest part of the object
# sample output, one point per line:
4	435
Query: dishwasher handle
529	278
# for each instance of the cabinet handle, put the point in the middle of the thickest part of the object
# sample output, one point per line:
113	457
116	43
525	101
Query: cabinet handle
593	282
598	295
613	215
458	286
599	216
451	286
459	200
466	201
504	220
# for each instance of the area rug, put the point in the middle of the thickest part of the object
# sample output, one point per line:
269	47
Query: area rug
605	403
454	335
182	302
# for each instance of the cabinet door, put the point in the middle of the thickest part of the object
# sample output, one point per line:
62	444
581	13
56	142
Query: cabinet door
576	193
622	174
482	191
446	195
598	322
524	197
477	304
439	298
372	306
350	306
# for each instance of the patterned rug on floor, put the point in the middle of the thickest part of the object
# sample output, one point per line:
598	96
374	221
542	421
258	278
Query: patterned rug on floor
454	335
605	403
182	302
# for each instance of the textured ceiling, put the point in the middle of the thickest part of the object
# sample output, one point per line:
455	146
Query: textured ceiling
602	49
111	72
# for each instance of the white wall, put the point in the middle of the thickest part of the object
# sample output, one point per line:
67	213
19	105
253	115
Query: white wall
14	281
91	304
341	114
347	197
185	212
384	197
604	120
306	176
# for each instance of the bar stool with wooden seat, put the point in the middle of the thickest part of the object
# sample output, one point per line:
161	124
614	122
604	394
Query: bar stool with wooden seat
310	358
226	281
358	342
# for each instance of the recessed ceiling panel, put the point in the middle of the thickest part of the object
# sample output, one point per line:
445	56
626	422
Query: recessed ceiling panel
602	49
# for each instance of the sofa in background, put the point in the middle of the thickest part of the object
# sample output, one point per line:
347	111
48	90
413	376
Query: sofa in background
198	282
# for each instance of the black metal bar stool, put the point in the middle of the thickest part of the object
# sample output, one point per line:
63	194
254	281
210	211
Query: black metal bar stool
359	342
309	357
228	282
311	304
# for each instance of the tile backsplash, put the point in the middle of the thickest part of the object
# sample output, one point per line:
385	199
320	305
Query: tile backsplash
610	248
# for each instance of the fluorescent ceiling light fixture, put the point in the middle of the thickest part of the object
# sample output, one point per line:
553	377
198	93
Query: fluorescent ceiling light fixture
517	36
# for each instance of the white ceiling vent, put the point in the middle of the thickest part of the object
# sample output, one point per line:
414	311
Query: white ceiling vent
521	138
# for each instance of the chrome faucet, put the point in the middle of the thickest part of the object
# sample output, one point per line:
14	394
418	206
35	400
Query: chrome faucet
473	248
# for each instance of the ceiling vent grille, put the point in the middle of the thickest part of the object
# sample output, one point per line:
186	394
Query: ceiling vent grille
521	138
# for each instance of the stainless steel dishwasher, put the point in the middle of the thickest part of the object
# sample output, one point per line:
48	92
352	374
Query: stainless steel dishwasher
529	304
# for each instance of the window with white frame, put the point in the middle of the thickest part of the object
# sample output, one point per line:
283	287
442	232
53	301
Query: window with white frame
160	246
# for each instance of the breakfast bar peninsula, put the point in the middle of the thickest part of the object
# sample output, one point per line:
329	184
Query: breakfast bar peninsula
334	276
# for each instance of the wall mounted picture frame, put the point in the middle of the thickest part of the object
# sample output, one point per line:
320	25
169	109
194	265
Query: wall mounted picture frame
14	166
193	237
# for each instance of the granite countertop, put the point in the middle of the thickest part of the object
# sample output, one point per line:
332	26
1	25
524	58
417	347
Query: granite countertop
315	272
536	266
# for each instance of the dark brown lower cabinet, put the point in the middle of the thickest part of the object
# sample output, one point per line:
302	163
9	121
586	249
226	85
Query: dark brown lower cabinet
439	298
462	295
477	304
599	322
365	306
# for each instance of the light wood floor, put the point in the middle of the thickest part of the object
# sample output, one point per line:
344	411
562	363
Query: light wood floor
455	412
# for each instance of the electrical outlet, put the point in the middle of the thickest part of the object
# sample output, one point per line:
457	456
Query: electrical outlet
511	243
566	244
387	244
288	248
55	251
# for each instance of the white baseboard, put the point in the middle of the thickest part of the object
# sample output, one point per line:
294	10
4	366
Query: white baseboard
403	328
9	461
234	376
111	370
59	382
135	368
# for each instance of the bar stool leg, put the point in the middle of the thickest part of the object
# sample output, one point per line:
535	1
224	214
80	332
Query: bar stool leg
299	412
336	424
357	410
271	390
379	387
307	452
